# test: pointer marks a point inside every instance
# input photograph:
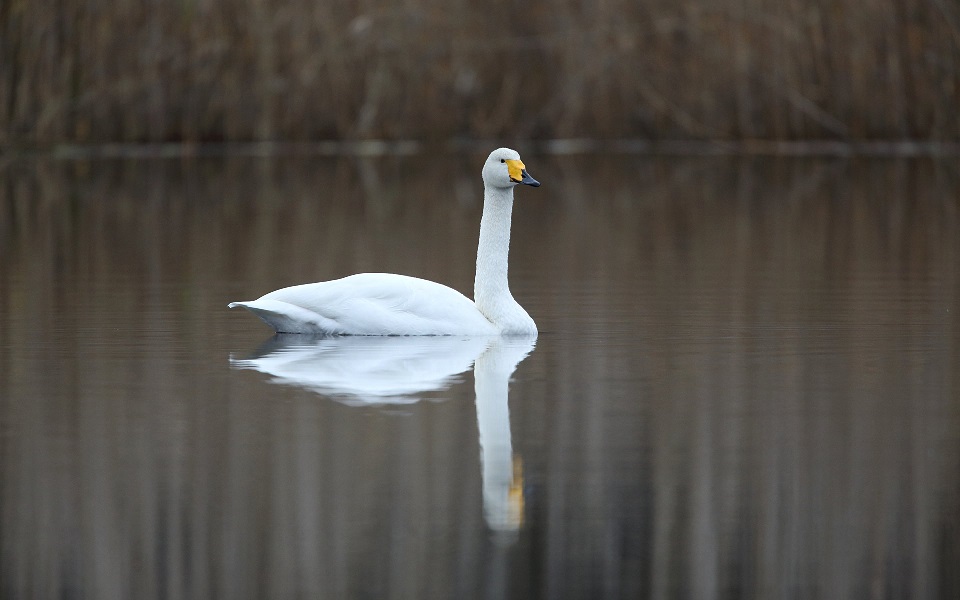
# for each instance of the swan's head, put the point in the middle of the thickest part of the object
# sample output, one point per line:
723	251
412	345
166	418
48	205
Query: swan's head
504	169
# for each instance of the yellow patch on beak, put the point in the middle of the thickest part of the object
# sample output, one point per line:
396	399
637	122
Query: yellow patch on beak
515	168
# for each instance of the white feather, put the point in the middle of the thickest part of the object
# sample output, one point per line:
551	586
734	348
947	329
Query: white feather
371	304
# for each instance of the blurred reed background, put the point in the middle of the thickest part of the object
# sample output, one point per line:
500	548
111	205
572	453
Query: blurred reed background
82	71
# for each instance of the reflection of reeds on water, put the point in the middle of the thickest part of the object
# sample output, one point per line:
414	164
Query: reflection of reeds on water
237	70
802	444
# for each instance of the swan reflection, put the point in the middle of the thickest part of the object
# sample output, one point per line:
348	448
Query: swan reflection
363	371
366	370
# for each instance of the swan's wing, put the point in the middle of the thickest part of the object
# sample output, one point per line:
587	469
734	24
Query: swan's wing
371	304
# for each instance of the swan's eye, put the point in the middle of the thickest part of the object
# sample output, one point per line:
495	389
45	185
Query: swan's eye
502	161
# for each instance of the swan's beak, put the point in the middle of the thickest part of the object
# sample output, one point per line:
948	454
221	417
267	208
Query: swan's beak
518	173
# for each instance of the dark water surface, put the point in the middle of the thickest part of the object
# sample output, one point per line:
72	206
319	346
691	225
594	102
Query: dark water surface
746	383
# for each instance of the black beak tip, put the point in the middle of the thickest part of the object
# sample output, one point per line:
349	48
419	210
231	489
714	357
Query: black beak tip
527	180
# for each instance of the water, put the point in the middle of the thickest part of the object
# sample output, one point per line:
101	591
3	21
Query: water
745	384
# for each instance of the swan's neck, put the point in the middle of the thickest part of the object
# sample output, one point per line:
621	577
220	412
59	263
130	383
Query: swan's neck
490	289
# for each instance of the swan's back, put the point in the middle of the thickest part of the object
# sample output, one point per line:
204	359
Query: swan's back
371	304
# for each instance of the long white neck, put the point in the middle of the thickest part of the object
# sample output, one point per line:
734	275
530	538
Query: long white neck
490	288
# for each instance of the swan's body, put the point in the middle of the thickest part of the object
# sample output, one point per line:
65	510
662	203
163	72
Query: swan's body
371	304
388	304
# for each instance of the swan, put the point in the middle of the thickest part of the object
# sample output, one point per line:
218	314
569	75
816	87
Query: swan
388	304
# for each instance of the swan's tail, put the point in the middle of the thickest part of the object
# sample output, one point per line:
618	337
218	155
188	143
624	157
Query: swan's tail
284	317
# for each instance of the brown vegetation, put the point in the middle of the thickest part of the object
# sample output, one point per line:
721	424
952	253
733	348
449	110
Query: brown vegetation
230	70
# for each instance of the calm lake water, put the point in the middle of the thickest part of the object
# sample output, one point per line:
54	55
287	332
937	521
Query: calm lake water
747	383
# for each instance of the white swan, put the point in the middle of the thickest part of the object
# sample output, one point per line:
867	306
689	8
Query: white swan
387	304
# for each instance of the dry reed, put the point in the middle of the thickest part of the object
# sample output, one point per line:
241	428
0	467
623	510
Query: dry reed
81	71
